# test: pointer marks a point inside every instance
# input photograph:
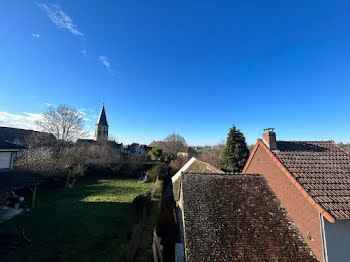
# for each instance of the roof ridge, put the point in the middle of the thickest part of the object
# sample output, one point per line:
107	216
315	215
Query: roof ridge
227	174
314	141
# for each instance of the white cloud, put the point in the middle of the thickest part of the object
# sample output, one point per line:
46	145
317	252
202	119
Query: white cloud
47	104
26	121
84	52
81	111
105	62
60	18
35	35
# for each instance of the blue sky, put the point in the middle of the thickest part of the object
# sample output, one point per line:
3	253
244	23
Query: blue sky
190	67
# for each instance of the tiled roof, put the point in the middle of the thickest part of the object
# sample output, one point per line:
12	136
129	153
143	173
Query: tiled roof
195	166
237	218
159	144
323	169
202	167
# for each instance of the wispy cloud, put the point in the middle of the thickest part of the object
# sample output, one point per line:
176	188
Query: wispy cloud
105	62
84	52
35	35
47	104
86	116
25	121
82	112
60	18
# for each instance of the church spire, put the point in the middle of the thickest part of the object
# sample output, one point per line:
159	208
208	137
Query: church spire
102	120
101	127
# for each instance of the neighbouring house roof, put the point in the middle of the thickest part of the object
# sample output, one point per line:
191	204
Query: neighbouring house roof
195	166
237	218
135	146
12	180
184	149
321	170
93	142
9	146
159	144
11	134
102	119
192	166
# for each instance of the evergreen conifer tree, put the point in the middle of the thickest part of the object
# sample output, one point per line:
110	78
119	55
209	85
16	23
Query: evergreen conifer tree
236	152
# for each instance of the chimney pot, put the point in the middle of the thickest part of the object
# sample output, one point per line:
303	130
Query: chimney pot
269	138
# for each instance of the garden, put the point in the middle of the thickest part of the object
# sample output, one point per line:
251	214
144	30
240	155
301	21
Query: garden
90	222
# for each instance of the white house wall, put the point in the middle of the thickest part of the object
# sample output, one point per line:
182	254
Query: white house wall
337	240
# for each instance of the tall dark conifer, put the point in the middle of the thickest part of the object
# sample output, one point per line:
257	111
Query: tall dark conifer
236	152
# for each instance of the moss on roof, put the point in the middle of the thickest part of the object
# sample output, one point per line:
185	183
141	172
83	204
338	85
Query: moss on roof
202	167
237	218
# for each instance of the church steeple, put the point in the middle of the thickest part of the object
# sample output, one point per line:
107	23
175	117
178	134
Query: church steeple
101	128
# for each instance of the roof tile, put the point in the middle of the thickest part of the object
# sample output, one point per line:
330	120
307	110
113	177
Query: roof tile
323	169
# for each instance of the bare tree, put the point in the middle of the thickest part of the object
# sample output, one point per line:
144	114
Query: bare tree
212	155
174	143
64	122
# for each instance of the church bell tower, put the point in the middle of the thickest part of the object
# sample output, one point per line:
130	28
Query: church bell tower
101	128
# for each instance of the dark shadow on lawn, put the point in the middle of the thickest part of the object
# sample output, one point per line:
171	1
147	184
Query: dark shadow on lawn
63	227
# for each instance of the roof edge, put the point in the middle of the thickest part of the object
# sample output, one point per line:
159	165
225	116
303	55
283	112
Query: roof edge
182	169
319	208
344	150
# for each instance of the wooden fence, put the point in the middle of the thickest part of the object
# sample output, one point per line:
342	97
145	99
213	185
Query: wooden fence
157	248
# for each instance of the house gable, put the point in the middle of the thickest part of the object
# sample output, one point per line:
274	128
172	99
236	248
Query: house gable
301	211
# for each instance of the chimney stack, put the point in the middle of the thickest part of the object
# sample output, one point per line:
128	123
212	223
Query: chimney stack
269	138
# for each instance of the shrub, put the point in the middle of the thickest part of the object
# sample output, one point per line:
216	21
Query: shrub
139	203
159	170
155	153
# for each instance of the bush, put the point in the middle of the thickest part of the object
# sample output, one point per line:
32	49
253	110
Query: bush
139	203
159	170
155	153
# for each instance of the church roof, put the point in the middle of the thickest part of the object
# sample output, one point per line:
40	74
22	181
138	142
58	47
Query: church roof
102	119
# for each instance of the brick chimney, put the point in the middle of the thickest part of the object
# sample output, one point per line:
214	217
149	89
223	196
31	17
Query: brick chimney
269	138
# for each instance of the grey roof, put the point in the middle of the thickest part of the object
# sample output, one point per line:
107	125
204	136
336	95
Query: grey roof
10	134
9	146
102	119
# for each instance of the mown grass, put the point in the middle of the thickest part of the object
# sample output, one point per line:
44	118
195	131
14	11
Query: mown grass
91	222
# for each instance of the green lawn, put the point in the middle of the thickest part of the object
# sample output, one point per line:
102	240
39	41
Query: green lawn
91	222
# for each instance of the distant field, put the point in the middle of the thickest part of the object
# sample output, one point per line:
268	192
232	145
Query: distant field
90	222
